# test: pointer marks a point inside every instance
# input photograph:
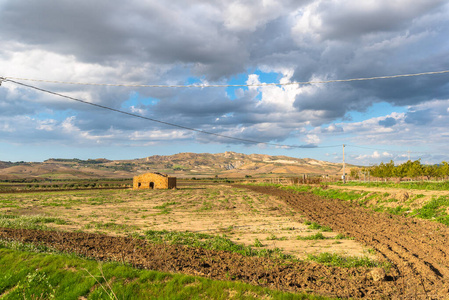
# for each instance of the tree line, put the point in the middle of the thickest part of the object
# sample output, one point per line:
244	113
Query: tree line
410	169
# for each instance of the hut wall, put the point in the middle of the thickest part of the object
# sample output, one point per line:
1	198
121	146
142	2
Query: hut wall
153	181
171	182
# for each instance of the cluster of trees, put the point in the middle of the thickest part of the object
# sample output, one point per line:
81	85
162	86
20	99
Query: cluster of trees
77	185
409	169
79	161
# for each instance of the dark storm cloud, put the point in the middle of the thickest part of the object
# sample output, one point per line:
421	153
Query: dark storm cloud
388	122
170	42
333	101
348	19
379	46
420	117
104	33
64	26
135	32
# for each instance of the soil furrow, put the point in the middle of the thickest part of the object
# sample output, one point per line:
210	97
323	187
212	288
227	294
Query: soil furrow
284	275
417	247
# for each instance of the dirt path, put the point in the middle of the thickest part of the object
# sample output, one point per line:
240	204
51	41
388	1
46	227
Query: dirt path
419	249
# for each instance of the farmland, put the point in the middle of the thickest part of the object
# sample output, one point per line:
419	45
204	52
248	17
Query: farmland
297	240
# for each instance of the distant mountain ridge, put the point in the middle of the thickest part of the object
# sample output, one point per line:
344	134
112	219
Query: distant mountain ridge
227	164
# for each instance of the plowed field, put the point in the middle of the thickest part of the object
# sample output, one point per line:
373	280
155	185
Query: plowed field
289	276
417	249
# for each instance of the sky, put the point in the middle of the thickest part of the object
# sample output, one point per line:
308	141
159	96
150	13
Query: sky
207	42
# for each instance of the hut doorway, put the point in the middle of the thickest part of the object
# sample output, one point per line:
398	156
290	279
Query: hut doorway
151	185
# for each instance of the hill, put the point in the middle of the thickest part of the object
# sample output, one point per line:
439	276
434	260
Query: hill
228	164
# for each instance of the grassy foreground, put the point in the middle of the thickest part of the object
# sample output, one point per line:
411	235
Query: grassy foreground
30	275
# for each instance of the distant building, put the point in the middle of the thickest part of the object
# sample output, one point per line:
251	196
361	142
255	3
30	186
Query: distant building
154	181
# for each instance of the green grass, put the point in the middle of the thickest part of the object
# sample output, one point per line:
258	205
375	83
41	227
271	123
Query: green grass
316	226
326	193
416	185
28	222
207	205
337	194
317	236
398	210
341	236
336	260
27	275
273	237
111	226
30	247
436	210
319	191
165	208
63	198
165	205
212	242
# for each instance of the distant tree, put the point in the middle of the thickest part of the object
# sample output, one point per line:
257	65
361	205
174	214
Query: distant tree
389	169
431	171
375	170
412	169
400	171
415	169
354	173
444	169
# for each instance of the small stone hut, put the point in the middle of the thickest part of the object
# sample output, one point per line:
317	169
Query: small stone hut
154	181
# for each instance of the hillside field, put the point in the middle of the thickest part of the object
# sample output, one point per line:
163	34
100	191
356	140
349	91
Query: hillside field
182	165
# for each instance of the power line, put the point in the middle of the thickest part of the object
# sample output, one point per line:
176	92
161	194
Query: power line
226	85
6	79
163	122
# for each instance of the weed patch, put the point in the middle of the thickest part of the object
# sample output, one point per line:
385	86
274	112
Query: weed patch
343	237
273	237
435	210
316	226
206	241
165	208
336	260
28	222
317	236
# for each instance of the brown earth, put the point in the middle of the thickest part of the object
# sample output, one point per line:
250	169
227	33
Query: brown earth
417	249
288	276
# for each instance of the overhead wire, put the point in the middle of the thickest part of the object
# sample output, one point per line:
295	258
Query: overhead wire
12	79
228	85
163	122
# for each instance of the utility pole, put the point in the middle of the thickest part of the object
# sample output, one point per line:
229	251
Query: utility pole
408	154
344	173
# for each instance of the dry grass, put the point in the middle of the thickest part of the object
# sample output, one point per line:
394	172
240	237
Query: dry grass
239	214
